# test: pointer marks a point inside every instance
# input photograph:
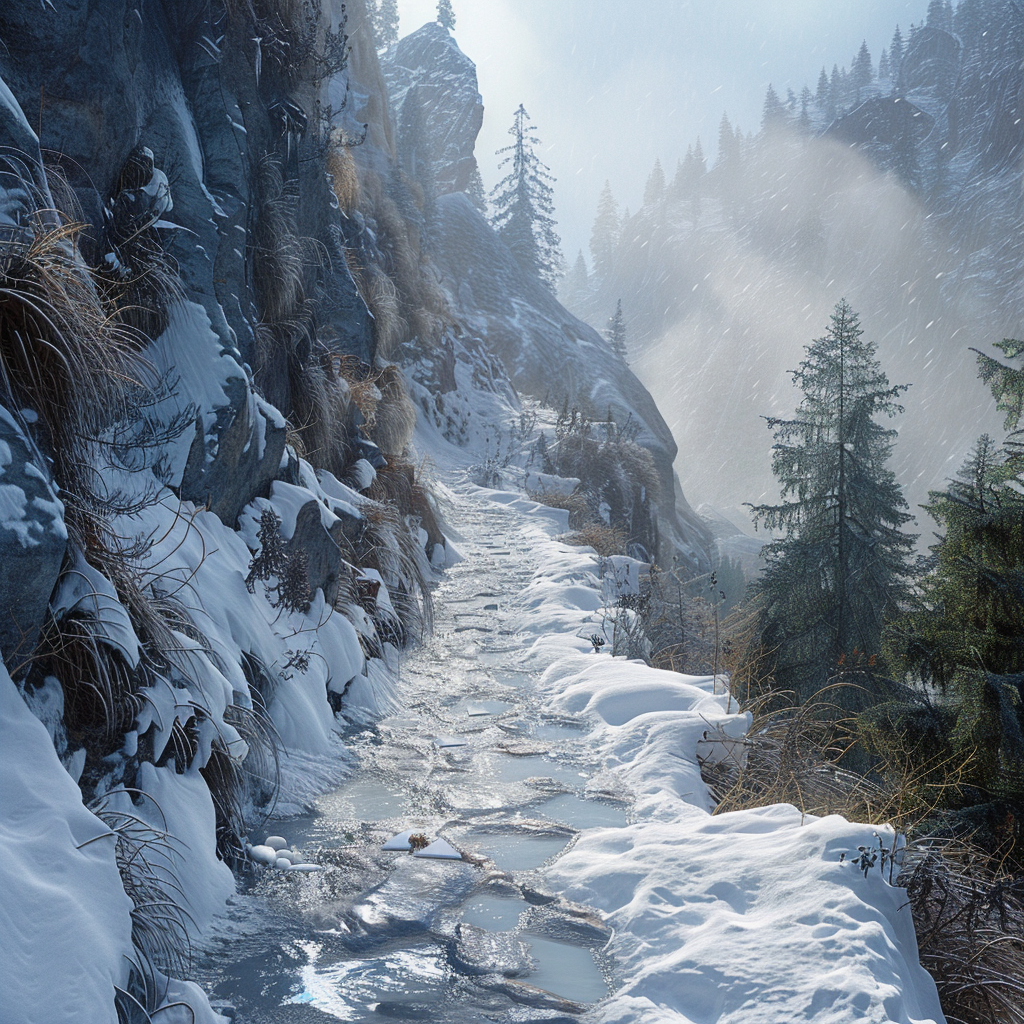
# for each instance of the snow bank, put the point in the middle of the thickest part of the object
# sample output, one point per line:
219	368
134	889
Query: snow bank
738	918
64	916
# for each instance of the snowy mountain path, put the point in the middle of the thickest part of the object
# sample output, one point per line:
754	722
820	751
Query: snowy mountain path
570	781
472	755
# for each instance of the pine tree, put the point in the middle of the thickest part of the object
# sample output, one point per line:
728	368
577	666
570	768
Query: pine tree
728	144
700	164
604	238
616	333
896	52
774	113
839	565
654	190
575	286
965	631
836	97
476	190
940	15
446	14
822	93
384	21
883	64
523	204
806	99
861	73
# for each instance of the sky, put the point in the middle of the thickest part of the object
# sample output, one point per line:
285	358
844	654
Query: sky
610	92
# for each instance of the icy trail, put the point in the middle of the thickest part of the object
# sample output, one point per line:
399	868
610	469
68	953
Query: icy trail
570	779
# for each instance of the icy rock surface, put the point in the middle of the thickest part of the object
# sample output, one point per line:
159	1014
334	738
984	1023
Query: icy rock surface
33	539
433	90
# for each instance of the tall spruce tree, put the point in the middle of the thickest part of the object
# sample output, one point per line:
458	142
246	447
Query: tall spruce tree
523	204
838	565
964	633
940	15
654	190
384	21
446	14
574	288
604	238
861	71
616	333
896	48
773	115
822	93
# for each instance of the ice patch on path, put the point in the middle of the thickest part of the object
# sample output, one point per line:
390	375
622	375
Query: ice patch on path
748	917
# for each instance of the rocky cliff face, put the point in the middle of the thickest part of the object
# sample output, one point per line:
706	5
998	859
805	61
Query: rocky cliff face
549	354
438	109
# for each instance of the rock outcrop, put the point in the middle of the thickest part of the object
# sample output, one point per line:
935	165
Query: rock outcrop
437	106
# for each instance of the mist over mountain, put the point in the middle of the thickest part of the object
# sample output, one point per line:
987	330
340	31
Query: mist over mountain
901	192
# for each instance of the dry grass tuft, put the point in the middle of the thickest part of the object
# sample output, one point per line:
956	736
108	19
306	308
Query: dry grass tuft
391	546
605	540
969	918
395	414
60	353
576	504
402	484
344	178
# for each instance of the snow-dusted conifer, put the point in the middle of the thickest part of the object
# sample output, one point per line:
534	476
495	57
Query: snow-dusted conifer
838	566
523	203
616	333
728	144
821	95
774	113
883	64
476	190
940	15
604	237
446	14
861	72
896	52
654	190
574	287
384	20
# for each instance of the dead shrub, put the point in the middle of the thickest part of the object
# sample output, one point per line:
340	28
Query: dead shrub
395	414
576	504
344	178
391	547
402	484
969	918
60	353
605	540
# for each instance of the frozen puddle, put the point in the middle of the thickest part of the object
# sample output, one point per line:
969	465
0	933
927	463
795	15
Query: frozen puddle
493	913
580	813
517	852
567	971
365	799
396	984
